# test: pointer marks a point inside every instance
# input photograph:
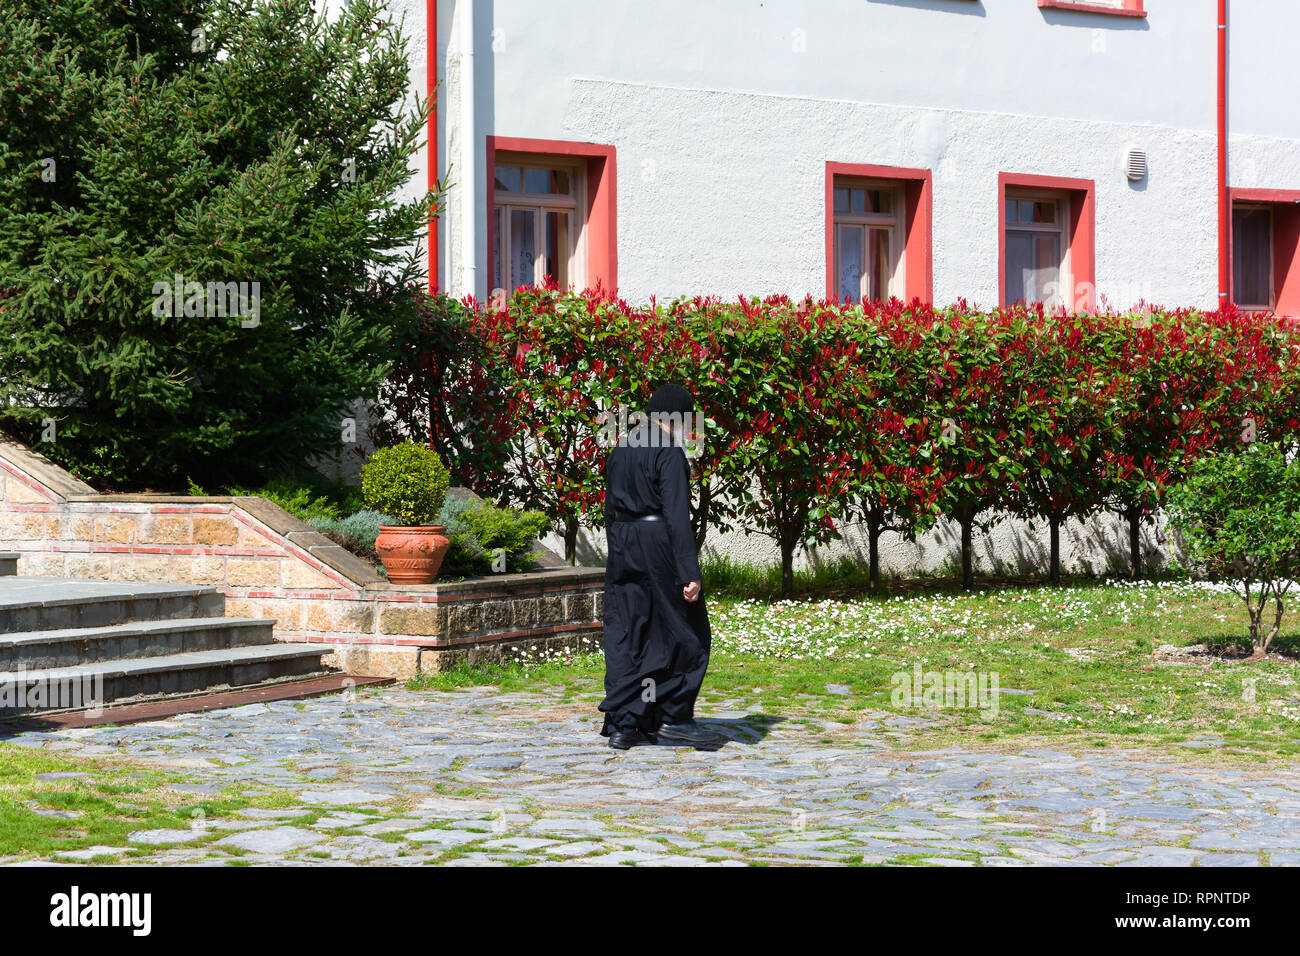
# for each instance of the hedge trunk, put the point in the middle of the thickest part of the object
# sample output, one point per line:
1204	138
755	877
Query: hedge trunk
874	530
571	539
788	543
967	552
1134	516
1054	522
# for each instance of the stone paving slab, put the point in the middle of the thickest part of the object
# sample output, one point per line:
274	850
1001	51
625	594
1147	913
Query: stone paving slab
481	777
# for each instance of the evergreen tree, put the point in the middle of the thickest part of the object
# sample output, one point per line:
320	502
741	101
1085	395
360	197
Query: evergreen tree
206	237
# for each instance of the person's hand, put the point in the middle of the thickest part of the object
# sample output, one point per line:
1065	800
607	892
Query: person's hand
692	591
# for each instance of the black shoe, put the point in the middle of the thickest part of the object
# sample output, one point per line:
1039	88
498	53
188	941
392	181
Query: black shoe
627	739
689	732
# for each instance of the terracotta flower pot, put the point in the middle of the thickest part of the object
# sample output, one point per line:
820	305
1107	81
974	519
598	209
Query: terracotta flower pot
412	555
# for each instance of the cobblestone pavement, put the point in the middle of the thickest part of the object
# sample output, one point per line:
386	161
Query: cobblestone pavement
483	777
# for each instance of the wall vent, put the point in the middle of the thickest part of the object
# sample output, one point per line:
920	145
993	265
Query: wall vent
1135	164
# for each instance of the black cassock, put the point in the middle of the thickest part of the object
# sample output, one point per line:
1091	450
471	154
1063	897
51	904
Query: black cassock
656	642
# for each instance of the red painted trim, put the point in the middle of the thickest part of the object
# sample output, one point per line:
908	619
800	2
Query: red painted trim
1131	8
1082	236
918	224
1265	195
1285	204
431	74
602	201
1225	212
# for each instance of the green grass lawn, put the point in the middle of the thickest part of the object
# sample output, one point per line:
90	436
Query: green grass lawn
106	801
1091	654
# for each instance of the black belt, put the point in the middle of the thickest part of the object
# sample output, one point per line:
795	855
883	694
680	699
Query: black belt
625	516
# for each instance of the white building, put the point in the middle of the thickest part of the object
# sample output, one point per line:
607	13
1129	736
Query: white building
702	142
984	149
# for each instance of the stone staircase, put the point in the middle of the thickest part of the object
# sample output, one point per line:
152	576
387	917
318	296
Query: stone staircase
71	644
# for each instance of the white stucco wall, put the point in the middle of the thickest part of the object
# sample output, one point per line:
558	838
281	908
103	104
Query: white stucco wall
725	113
1263	119
1099	546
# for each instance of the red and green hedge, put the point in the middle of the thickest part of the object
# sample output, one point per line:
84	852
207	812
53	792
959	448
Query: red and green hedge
821	414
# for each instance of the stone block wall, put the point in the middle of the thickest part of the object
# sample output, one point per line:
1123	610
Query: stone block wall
271	565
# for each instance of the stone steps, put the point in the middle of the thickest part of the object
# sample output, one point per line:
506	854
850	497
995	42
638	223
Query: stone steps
86	686
41	604
69	645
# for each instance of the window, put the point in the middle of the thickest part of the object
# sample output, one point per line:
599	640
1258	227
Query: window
1046	249
552	211
868	253
1264	250
537	223
1123	8
878	224
1252	260
1037	267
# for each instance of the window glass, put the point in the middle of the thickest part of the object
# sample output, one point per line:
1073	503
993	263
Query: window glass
879	290
523	247
850	252
1020	265
547	182
537	180
557	247
1047	273
508	178
1033	262
1252	261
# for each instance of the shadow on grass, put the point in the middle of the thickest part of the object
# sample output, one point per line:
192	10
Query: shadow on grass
847	579
1237	649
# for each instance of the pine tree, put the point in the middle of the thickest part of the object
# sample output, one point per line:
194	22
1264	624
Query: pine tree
156	147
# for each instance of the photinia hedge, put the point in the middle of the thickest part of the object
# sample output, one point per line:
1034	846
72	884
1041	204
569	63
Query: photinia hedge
818	414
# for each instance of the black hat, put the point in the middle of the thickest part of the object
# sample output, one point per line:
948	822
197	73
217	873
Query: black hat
671	398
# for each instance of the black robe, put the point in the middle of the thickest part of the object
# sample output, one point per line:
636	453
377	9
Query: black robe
656	642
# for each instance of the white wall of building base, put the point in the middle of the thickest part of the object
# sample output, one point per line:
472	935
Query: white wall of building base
1098	546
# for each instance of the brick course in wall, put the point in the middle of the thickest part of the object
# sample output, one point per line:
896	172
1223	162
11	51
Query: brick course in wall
271	565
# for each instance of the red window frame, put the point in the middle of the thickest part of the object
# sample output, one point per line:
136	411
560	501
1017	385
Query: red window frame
1285	205
918	224
1131	8
602	200
1081	238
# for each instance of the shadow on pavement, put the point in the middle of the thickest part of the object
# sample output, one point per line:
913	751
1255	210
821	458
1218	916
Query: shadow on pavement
745	730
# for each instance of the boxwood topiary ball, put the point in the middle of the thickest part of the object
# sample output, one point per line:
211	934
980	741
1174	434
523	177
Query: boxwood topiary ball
407	481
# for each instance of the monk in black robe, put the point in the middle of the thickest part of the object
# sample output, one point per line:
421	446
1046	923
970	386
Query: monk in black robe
657	635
